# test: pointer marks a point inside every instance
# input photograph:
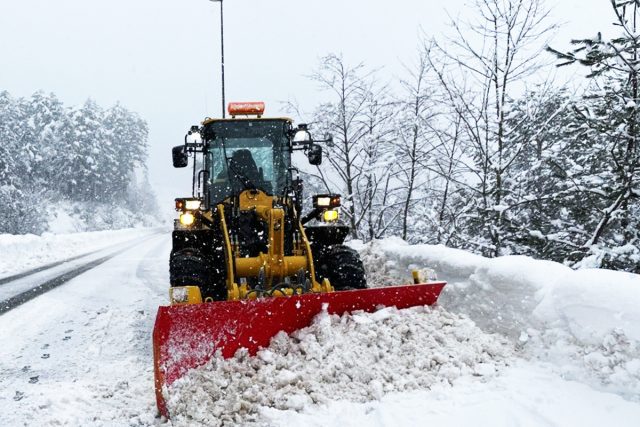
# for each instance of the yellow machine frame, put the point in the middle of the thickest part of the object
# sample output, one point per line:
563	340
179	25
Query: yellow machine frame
274	264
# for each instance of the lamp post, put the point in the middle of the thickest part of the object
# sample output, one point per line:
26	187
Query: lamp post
221	51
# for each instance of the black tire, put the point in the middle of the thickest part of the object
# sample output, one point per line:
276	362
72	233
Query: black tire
188	267
343	267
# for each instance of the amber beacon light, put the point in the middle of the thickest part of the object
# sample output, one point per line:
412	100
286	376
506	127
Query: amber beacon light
246	109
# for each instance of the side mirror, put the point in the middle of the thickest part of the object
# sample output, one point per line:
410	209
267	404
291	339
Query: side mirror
180	158
314	154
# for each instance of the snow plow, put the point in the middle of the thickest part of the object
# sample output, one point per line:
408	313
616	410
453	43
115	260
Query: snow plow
245	263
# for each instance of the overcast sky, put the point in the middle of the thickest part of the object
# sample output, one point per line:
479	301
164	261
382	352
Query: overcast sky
160	58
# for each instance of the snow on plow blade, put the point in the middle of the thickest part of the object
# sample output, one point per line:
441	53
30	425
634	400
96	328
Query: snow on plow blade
188	336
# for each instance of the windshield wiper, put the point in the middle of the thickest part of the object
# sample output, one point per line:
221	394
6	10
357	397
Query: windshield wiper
244	179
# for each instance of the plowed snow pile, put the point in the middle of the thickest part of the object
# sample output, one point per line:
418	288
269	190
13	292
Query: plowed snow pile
567	340
356	357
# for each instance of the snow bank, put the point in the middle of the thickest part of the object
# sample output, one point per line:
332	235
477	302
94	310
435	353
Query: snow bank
586	322
355	357
73	217
23	252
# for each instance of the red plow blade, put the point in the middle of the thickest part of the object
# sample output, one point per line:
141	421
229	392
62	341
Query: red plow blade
188	336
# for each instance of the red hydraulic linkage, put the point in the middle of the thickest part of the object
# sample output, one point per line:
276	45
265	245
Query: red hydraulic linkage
187	336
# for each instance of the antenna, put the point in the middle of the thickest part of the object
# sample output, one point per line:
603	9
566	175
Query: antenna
221	51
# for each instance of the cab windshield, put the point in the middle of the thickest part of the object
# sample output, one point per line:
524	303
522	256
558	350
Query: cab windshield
257	156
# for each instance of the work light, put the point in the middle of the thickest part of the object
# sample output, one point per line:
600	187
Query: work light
187	218
330	215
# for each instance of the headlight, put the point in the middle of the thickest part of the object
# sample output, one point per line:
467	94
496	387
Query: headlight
192	205
187	218
330	216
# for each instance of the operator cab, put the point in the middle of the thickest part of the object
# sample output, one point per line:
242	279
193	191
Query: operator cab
245	154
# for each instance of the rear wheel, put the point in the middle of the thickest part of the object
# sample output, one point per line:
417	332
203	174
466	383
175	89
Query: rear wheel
188	267
343	267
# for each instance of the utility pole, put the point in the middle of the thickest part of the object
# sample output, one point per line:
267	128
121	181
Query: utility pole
222	51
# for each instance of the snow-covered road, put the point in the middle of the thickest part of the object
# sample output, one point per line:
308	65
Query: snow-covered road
81	355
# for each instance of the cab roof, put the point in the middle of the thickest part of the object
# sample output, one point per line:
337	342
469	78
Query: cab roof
209	120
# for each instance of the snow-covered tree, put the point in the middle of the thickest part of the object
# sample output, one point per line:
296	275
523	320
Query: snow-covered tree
606	171
357	116
87	177
479	68
21	208
414	145
124	148
375	185
45	116
542	125
49	152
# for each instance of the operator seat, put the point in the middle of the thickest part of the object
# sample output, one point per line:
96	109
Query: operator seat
243	166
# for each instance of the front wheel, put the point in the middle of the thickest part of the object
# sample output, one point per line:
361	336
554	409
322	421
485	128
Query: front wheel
189	267
343	267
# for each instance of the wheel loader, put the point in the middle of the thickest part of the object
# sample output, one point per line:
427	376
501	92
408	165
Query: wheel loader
249	258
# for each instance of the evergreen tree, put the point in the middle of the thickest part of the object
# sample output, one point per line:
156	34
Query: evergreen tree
124	148
607	170
46	115
83	156
86	155
542	125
